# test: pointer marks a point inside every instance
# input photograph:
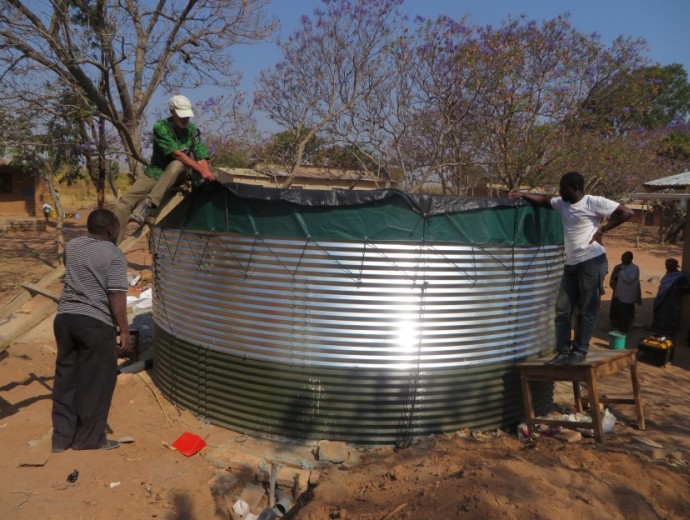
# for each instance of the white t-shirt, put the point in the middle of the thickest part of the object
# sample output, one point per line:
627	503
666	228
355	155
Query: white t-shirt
580	222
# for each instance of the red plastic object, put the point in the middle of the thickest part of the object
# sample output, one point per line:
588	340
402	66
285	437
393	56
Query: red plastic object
188	444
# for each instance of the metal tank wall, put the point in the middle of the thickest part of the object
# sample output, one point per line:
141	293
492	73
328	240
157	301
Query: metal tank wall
370	343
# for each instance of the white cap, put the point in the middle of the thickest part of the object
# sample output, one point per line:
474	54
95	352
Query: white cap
181	106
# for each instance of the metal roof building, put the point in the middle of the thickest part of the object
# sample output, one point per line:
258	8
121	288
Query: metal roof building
675	182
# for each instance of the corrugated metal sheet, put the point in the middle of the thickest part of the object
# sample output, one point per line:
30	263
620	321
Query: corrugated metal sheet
363	342
682	180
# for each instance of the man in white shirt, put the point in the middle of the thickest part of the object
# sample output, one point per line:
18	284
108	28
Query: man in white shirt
585	260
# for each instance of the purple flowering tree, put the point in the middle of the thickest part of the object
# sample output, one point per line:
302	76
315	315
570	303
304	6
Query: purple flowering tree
431	129
534	79
337	63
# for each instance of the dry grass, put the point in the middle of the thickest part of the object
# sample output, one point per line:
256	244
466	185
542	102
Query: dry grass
82	194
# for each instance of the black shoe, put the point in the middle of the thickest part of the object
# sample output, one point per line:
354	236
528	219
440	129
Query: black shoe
141	212
558	359
109	445
57	450
575	358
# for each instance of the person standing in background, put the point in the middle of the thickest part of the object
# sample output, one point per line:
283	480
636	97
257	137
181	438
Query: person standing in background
92	304
47	208
625	282
667	303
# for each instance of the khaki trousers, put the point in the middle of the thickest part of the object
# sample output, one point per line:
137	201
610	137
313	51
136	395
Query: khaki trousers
146	188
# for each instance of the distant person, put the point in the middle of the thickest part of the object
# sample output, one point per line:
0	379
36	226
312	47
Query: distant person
666	313
177	149
93	302
625	282
47	208
585	260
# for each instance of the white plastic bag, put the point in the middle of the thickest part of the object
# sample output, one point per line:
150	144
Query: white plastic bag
608	422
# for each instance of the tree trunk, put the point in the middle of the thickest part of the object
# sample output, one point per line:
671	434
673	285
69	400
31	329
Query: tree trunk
102	163
49	179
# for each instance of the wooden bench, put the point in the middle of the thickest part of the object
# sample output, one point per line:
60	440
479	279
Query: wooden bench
597	365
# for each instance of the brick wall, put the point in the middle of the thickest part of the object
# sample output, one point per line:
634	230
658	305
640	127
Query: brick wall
19	193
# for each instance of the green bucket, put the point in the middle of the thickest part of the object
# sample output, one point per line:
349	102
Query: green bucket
616	340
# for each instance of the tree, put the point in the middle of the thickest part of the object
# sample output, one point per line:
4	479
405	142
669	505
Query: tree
630	128
284	146
330	67
430	120
229	130
116	55
48	142
534	79
650	97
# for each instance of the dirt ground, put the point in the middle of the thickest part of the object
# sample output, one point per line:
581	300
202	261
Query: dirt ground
473	475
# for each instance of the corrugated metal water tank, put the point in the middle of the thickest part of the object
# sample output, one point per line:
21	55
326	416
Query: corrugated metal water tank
352	317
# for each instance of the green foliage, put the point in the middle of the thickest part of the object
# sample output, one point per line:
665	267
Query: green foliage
647	98
232	159
672	101
283	146
50	146
676	146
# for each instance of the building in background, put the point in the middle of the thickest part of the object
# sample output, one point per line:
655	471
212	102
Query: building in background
306	177
21	199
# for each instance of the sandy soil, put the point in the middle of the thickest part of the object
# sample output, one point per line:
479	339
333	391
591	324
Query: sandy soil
636	474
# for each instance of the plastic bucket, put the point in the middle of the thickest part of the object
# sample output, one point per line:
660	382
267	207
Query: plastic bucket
616	340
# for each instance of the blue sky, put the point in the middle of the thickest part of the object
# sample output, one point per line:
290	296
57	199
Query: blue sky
663	23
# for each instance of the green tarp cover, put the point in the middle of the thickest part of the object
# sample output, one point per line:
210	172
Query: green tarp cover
376	215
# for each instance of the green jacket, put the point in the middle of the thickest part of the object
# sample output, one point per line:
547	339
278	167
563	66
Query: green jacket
167	139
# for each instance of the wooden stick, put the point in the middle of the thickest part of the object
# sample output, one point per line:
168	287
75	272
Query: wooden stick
157	400
25	324
396	510
36	289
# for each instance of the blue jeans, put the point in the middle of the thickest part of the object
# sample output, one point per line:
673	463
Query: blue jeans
580	291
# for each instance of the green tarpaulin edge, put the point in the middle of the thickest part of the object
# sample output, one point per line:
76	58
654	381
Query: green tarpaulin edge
377	215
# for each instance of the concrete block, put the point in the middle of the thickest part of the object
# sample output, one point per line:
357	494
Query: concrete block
240	464
569	435
223	482
253	495
333	451
287	477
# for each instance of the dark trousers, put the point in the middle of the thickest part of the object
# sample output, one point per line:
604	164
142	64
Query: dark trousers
85	376
622	315
581	288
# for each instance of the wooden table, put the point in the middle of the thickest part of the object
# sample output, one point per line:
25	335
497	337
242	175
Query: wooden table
597	364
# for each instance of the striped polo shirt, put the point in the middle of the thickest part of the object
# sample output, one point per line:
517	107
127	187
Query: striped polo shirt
93	267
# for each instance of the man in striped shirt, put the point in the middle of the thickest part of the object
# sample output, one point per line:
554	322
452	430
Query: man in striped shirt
93	302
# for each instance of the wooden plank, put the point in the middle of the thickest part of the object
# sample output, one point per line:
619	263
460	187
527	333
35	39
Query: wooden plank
17	303
17	328
636	395
13	329
35	289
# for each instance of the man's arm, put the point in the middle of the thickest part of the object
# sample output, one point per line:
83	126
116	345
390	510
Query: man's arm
201	167
542	201
118	306
620	215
